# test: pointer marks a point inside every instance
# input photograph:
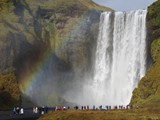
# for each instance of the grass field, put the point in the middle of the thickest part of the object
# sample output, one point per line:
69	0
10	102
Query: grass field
134	114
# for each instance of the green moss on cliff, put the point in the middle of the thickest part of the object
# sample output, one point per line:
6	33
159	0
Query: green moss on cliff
153	20
9	90
155	49
153	13
148	92
6	5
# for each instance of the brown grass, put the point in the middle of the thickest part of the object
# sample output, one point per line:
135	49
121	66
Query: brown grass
135	114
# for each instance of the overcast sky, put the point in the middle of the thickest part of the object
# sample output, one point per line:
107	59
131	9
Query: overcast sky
125	5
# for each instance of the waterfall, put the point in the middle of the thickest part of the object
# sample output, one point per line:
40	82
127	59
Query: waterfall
120	58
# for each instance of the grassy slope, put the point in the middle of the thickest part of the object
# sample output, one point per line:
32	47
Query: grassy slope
65	4
148	92
136	114
89	4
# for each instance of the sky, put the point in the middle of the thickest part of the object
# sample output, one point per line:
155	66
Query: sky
125	5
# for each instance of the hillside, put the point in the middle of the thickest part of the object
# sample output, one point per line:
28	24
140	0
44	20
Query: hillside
39	36
148	92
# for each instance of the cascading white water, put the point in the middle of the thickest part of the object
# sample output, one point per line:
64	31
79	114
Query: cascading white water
120	60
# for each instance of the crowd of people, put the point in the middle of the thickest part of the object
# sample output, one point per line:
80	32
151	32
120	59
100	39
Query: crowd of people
107	107
45	109
40	110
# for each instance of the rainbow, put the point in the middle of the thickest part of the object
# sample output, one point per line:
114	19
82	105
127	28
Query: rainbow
29	79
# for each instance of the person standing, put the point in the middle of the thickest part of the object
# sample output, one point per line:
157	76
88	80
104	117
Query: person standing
43	109
82	108
94	107
14	111
36	110
21	111
87	107
17	110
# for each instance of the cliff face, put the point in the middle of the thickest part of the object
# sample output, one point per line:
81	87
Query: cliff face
29	28
61	32
9	90
148	92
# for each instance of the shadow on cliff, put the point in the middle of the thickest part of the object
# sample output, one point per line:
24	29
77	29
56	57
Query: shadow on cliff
20	7
7	101
30	58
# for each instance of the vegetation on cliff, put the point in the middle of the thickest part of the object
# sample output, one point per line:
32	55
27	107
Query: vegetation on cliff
9	90
153	23
147	94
